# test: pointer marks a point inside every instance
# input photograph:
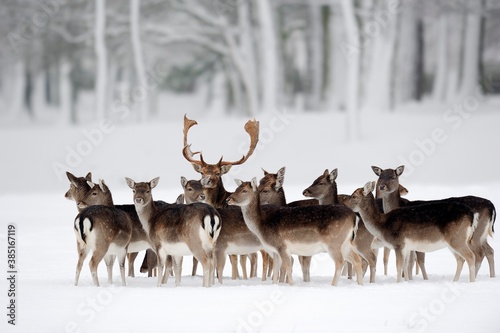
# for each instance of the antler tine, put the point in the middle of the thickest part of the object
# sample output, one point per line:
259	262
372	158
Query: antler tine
186	151
252	128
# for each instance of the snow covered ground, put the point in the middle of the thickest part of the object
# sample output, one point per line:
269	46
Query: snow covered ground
443	158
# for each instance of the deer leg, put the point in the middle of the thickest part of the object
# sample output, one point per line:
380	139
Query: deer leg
265	264
94	262
109	260
243	264
121	262
338	260
234	266
195	266
220	256
271	266
421	264
387	252
131	259
253	265
177	263
489	252
305	263
399	264
287	265
276	267
411	261
82	254
356	262
161	257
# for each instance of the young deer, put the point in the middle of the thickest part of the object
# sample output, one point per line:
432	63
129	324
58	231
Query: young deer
389	179
324	189
301	230
424	228
106	231
215	193
178	230
78	187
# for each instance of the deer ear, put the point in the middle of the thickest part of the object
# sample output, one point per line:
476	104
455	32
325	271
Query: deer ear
254	184
72	178
368	188
102	185
183	181
399	170
333	175
180	199
130	182
326	173
280	178
265	172
89	176
90	184
224	169
238	182
197	167
403	190
154	182
377	170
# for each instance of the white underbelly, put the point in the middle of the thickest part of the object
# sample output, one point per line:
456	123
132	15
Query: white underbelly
233	248
138	246
177	249
115	249
305	249
423	246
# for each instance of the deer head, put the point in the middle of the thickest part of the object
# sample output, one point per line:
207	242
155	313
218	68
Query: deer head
211	173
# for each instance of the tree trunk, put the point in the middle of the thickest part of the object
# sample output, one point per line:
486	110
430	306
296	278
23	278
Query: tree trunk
101	58
248	50
65	93
470	72
352	84
439	86
315	53
16	89
142	88
269	56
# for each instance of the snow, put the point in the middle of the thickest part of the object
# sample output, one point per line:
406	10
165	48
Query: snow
47	301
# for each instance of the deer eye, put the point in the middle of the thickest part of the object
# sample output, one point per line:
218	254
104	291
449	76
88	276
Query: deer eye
148	191
190	189
133	191
94	194
217	174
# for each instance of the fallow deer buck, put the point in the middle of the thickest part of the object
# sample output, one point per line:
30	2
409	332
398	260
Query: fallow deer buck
80	189
324	189
423	228
301	230
215	193
389	179
178	230
106	231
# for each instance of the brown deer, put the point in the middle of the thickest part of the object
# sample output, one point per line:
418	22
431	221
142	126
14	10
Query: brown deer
215	193
106	231
177	230
80	189
324	189
388	195
389	179
301	230
235	238
423	228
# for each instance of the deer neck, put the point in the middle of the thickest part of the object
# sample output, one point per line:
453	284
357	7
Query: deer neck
372	217
108	200
216	197
146	214
331	197
281	198
390	201
253	216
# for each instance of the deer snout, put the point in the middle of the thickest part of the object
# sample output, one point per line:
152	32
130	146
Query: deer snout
202	197
81	205
383	187
229	201
139	201
306	193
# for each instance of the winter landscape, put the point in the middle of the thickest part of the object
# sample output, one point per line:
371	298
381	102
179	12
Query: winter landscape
102	87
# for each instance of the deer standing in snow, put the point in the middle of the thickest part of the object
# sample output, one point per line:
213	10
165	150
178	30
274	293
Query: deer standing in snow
423	228
215	193
301	230
178	230
106	231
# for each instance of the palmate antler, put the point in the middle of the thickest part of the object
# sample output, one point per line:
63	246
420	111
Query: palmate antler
251	127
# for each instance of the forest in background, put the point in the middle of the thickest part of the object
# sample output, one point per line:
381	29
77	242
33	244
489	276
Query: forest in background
80	61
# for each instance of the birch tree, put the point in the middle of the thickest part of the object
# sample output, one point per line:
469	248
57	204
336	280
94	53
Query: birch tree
101	58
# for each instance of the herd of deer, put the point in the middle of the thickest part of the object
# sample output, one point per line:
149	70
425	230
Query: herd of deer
211	223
